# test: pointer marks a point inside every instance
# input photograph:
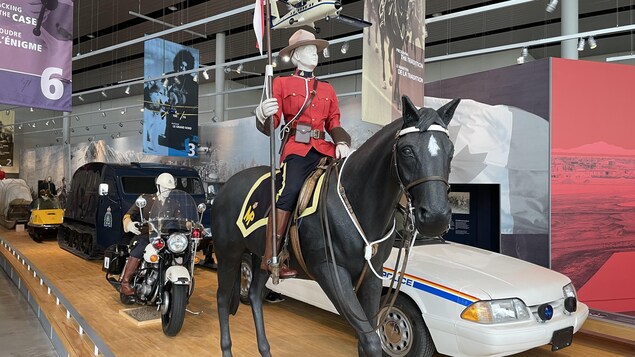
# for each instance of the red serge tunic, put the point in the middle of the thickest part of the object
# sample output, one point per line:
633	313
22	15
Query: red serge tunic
323	113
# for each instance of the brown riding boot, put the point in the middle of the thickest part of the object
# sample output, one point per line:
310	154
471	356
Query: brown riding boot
282	218
127	291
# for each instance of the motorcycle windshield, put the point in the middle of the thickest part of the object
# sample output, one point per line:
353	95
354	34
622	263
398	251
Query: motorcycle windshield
175	213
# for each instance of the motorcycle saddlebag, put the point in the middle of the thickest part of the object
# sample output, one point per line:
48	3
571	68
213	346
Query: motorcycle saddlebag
115	258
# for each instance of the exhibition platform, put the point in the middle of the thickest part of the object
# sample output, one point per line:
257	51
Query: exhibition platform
82	315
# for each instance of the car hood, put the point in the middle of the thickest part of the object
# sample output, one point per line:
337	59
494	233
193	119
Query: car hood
483	274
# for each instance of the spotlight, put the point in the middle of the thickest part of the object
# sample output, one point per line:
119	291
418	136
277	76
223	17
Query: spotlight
127	91
31	110
20	127
205	75
581	44
123	111
344	48
47	123
592	43
239	68
103	114
33	125
326	52
165	82
227	69
7	112
105	126
552	5
53	121
141	109
121	125
81	99
286	58
87	129
103	93
76	118
524	52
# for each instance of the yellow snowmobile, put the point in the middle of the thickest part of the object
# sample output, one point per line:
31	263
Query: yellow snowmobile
46	217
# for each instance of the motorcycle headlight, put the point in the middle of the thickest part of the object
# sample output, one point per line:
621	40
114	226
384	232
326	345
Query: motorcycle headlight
496	311
177	242
569	291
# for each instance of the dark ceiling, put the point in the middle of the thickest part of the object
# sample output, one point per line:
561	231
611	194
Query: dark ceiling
101	24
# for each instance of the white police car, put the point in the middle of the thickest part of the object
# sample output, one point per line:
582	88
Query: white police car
465	301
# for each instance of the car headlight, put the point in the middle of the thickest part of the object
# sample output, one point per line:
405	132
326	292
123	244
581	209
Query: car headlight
177	242
496	311
569	291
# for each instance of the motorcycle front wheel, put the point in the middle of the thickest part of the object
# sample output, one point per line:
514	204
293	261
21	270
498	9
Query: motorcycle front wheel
172	320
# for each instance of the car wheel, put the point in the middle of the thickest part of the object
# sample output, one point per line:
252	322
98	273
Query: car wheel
245	277
404	333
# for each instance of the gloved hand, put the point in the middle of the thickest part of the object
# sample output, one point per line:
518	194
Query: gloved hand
267	108
342	150
133	227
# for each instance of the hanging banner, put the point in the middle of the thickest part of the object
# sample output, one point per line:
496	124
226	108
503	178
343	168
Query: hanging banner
170	119
7	119
393	57
36	43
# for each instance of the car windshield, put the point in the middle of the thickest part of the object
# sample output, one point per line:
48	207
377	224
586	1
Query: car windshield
174	212
42	203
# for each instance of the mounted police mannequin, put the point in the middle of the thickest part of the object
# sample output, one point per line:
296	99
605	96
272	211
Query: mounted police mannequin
165	183
298	158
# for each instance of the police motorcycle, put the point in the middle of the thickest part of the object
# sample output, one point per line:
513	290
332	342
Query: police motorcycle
165	277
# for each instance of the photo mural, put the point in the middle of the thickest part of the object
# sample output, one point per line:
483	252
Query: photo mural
593	182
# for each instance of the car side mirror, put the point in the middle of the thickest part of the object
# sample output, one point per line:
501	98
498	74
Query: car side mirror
103	189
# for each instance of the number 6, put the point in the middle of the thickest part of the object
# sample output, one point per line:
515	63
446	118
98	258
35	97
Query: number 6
52	88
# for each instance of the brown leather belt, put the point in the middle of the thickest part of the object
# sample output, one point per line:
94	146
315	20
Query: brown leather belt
315	133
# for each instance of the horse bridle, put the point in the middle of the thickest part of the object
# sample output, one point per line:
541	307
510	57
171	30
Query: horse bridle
414	129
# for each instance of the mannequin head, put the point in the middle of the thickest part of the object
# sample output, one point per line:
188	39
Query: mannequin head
165	183
305	58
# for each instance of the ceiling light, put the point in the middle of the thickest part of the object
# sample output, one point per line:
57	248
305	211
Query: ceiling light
127	91
33	125
103	93
53	121
141	109
103	114
121	125
87	129
581	43
47	123
345	47
81	99
239	68
227	69
20	127
524	52
326	52
90	35
172	8
123	111
286	58
552	5
592	43
76	117
105	126
31	109
205	75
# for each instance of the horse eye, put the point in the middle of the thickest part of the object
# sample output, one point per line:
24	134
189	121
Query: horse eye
407	151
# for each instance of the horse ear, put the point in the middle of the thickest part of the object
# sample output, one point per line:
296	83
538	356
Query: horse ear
446	112
408	112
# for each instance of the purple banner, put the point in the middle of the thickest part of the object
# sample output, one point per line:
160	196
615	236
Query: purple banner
36	41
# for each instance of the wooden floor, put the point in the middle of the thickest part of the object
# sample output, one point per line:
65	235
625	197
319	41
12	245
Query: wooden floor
293	328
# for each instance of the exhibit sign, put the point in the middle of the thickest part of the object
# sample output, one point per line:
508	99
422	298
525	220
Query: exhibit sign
393	57
170	118
36	42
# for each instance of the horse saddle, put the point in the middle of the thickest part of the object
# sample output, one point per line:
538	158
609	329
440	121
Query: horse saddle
256	207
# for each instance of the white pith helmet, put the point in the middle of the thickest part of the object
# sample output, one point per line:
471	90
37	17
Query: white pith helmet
166	180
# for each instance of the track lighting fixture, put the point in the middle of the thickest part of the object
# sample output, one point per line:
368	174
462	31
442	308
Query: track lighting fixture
581	44
239	68
103	93
105	126
326	53
205	75
123	111
47	123
20	127
81	99
76	117
592	43
31	110
286	58
552	5
121	125
7	112
103	114
127	91
345	47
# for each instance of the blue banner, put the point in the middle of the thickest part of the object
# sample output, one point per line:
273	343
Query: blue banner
170	119
36	42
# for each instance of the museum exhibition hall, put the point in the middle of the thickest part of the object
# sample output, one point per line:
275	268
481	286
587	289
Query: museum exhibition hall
452	178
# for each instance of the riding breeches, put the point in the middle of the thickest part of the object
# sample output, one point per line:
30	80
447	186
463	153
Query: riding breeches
139	245
295	169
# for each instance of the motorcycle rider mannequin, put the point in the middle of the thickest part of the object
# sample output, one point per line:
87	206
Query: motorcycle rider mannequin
165	183
299	157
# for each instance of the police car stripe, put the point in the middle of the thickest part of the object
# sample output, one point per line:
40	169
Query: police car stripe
436	289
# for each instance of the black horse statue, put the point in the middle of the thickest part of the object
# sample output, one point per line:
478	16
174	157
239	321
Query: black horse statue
411	155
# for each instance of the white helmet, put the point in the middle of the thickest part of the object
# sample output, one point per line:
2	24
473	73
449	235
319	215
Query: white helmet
165	180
